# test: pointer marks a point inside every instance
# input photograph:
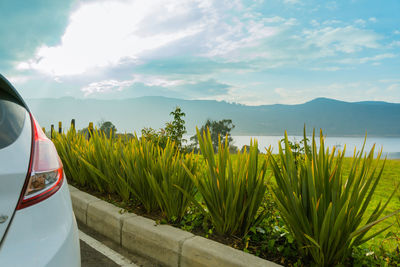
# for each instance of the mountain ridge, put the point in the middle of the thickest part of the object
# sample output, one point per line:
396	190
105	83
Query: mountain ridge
335	117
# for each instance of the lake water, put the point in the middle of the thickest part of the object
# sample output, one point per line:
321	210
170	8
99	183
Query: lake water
389	145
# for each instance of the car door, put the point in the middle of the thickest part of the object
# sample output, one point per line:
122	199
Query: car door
15	151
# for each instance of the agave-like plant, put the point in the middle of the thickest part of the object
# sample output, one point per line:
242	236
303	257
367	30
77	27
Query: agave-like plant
325	210
137	158
130	167
103	162
69	146
166	176
232	191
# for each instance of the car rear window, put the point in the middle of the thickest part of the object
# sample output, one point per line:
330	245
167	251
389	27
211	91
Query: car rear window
12	119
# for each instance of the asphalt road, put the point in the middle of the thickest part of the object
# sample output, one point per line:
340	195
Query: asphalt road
92	258
97	250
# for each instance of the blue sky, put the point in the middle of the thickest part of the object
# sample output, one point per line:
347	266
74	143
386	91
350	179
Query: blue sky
250	52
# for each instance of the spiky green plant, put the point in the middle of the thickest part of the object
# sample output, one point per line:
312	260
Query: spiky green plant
324	210
137	158
166	175
232	191
129	167
103	161
69	146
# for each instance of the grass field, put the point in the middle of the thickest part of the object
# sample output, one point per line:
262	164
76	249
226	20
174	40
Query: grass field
389	181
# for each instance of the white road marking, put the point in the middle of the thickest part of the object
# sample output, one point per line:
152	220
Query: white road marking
106	251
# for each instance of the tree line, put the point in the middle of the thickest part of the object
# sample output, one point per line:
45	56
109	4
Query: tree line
175	129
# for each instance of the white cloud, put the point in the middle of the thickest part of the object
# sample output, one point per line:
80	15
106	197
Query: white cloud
364	60
390	81
104	33
282	92
107	33
326	68
237	4
150	80
394	44
331	22
332	5
314	23
347	39
108	86
241	41
363	22
290	22
275	19
18	79
291	2
377	57
394	87
360	22
241	35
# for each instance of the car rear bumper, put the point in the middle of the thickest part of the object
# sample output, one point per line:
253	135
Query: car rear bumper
44	234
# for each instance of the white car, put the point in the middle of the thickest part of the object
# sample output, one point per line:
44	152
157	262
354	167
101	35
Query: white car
37	224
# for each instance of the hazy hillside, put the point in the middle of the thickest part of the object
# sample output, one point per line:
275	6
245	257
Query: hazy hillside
334	117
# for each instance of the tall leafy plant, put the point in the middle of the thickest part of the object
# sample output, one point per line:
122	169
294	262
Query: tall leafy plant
138	156
154	173
103	162
69	146
130	167
166	174
324	209
176	129
232	190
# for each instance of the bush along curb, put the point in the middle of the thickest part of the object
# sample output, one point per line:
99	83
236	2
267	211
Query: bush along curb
164	244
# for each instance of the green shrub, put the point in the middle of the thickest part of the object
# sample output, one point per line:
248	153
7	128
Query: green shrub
232	191
130	167
103	163
136	159
70	148
324	210
154	172
165	174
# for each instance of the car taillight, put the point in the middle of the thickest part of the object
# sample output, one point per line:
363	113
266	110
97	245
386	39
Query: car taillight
45	174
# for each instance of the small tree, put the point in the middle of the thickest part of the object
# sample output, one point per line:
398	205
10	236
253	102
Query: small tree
160	138
108	128
298	148
221	128
176	129
173	130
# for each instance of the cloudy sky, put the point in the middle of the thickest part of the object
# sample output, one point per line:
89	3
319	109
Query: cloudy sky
246	51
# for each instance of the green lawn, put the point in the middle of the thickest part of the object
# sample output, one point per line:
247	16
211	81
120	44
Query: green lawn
389	180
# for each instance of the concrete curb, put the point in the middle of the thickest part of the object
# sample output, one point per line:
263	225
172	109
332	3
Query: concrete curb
164	244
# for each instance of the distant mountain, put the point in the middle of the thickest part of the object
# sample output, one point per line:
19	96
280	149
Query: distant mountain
336	118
